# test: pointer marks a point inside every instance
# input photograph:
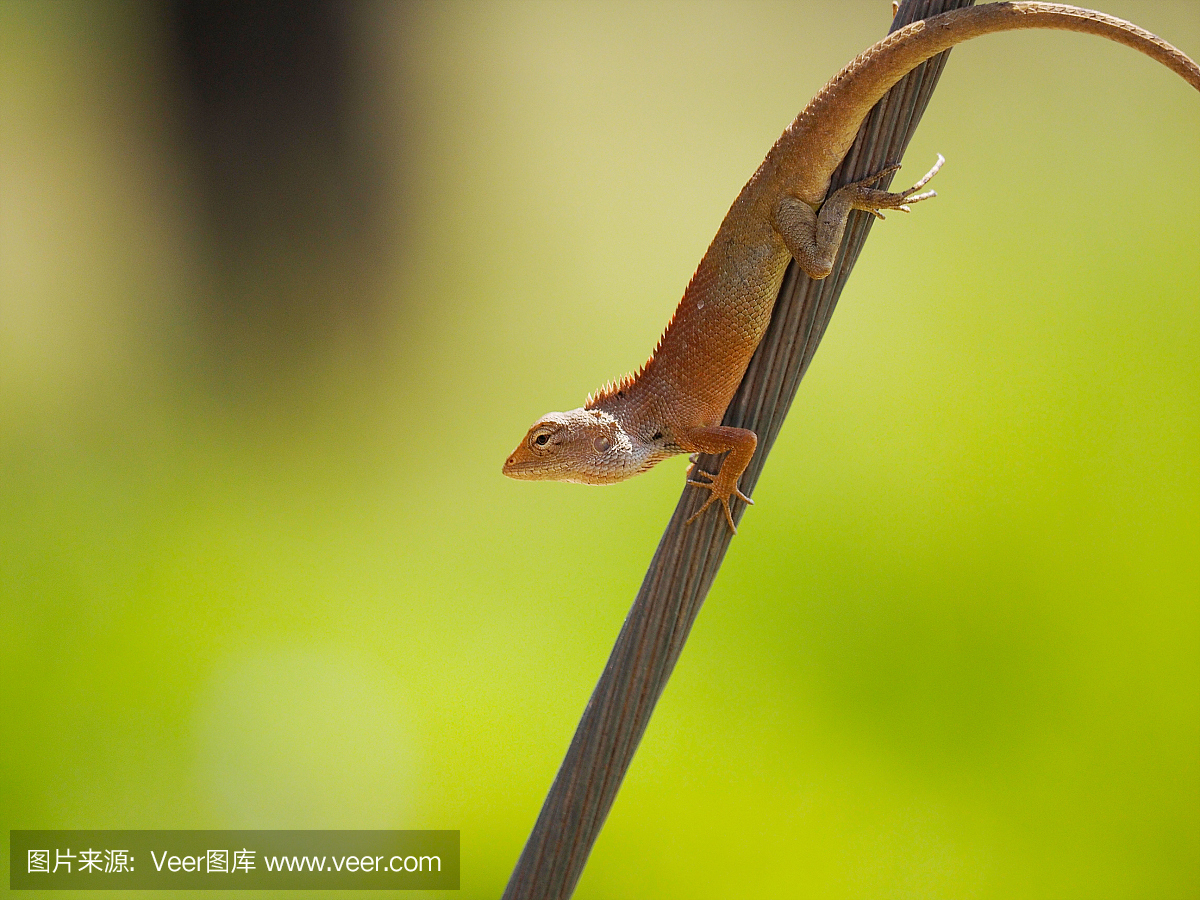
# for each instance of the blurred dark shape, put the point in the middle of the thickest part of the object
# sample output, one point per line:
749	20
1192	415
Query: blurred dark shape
291	186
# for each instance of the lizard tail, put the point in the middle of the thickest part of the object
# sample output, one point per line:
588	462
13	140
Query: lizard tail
825	129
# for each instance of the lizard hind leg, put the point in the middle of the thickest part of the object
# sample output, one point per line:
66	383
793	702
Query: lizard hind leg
813	237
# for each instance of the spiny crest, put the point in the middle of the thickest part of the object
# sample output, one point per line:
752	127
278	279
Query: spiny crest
612	387
626	381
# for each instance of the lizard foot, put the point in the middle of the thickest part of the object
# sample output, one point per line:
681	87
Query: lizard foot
813	239
718	492
872	200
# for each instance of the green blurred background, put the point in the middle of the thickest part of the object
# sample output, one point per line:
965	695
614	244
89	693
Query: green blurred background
277	303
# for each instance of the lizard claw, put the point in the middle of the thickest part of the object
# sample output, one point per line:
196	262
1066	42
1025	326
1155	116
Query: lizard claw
941	161
882	173
872	200
712	498
717	494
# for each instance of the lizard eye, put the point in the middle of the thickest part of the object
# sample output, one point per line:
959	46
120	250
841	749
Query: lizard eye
602	444
539	439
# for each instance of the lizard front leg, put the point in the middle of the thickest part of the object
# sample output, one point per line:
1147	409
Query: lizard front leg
813	237
739	443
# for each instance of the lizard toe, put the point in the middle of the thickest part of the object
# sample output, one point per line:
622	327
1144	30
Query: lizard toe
712	498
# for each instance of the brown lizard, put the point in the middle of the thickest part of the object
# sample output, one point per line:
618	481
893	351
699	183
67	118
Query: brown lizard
675	402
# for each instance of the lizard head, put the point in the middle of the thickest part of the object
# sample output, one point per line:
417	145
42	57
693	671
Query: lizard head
587	446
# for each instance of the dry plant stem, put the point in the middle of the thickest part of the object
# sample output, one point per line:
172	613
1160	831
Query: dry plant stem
688	557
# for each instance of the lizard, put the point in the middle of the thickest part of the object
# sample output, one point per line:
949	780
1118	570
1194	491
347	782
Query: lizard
675	402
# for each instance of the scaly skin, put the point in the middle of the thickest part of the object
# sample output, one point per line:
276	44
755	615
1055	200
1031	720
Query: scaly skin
675	403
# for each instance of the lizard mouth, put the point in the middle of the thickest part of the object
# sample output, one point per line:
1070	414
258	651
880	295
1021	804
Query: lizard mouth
525	467
512	467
